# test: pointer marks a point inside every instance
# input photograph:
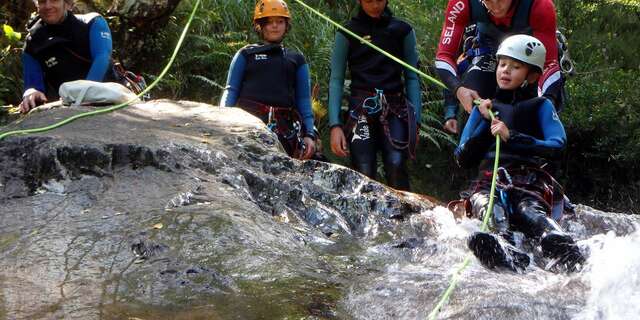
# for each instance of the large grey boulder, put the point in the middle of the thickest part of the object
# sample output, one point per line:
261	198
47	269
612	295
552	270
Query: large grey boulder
169	207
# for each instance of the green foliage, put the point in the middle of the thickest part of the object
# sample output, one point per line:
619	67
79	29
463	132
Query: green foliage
10	72
223	27
10	34
602	116
10	65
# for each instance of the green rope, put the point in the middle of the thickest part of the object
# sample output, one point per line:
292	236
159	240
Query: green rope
485	222
119	106
484	227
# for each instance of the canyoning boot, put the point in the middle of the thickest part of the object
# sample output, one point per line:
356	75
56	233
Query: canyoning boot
494	253
563	250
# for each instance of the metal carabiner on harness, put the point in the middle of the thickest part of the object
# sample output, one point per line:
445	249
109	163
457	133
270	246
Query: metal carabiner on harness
506	175
295	132
377	100
566	64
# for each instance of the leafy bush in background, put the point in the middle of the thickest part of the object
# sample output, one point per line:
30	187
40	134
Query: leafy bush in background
10	66
603	115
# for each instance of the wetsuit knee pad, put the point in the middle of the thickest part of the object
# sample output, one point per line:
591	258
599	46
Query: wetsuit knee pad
397	176
479	204
394	159
395	167
531	219
363	159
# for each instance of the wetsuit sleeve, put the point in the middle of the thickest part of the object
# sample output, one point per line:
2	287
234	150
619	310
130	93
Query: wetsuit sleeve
411	80
450	105
234	81
543	23
475	141
100	45
555	137
303	98
457	16
336	81
450	112
32	75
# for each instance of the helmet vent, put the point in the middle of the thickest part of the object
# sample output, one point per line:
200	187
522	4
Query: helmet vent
530	46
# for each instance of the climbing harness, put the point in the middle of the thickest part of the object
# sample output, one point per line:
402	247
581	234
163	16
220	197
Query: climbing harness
378	100
403	112
122	105
130	80
381	106
547	191
285	122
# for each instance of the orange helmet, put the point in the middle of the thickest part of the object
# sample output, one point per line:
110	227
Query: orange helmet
271	8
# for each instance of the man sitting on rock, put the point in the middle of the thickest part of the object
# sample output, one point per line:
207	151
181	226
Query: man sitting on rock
527	194
62	47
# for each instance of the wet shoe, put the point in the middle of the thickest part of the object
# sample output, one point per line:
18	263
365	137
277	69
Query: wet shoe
496	255
562	248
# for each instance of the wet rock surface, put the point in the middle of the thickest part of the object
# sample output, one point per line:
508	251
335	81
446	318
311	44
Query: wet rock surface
181	210
175	205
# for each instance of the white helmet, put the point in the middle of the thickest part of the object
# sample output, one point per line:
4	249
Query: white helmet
524	48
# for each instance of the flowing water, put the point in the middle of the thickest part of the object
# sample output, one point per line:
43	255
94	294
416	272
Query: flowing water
607	287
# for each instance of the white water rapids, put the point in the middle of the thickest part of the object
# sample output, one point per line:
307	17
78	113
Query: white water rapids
608	287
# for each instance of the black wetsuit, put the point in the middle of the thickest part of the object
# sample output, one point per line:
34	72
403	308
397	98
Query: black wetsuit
527	192
368	131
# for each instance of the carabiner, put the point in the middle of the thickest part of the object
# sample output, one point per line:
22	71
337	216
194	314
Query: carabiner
506	174
376	100
566	64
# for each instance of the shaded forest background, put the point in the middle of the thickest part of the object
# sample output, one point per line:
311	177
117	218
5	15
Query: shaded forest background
602	116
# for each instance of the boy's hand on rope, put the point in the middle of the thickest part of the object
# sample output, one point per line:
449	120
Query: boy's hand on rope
498	128
484	106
